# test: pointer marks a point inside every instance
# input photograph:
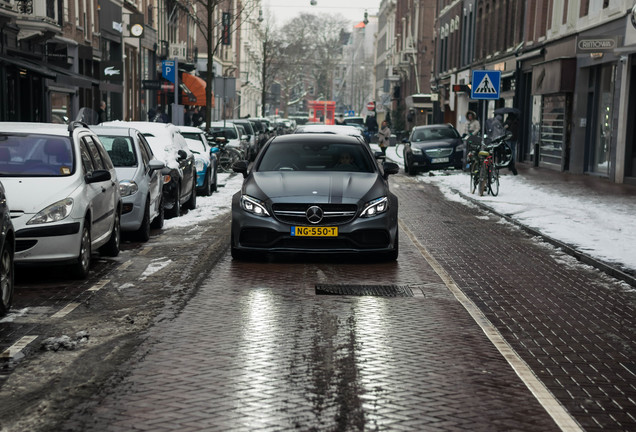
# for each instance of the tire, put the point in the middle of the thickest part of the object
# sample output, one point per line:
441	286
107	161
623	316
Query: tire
157	222
143	233
112	248
206	190
493	181
7	283
175	211
215	185
483	179
82	266
474	177
191	204
410	169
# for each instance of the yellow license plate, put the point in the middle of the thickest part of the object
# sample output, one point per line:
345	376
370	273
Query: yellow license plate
298	231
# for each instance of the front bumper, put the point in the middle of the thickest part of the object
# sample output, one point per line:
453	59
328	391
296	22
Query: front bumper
252	233
47	243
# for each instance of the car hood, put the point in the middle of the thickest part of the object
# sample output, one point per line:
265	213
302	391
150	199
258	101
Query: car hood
323	187
442	143
31	194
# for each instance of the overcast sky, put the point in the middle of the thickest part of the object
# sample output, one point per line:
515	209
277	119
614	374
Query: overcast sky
353	10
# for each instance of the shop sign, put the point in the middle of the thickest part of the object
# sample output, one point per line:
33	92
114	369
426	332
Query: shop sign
596	44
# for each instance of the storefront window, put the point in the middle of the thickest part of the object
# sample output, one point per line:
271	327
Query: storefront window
603	131
552	135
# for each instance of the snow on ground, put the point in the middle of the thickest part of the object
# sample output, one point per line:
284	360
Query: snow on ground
600	226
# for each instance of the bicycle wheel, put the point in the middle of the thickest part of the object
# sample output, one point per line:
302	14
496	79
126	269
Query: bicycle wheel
474	176
493	180
227	157
483	178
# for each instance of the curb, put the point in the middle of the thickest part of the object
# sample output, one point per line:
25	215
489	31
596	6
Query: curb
609	269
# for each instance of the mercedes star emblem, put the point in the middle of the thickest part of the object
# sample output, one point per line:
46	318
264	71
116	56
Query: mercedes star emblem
314	214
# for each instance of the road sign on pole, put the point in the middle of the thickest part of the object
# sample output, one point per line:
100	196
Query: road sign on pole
370	106
168	70
485	84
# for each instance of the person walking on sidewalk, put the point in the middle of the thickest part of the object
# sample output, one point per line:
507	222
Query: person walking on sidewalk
384	135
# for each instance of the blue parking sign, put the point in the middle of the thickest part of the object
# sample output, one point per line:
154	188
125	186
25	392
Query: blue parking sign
485	84
168	70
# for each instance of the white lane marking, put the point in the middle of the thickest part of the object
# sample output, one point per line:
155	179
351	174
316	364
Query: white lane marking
65	310
14	349
99	285
554	408
125	265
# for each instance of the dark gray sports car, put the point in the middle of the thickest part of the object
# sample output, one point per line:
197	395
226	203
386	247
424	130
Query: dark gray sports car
315	193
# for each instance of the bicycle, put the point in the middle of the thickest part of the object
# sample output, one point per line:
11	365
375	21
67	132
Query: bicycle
227	155
484	163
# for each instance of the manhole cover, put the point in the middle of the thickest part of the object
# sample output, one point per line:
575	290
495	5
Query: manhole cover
365	290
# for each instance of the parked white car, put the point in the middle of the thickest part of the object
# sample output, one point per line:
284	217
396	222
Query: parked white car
205	159
63	194
140	179
230	132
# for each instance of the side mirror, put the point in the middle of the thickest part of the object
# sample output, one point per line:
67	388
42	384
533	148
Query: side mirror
182	154
240	167
156	164
97	176
245	138
390	168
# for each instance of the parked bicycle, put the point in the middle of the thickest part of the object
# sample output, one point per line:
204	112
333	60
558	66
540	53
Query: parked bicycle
484	161
227	155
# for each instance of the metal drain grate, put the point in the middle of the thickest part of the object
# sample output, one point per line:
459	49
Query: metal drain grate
365	290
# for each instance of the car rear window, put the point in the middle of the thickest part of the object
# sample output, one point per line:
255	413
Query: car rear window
38	155
315	156
120	149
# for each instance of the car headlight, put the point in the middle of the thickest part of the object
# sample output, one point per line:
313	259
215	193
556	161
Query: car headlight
199	164
53	213
375	207
253	206
127	188
415	150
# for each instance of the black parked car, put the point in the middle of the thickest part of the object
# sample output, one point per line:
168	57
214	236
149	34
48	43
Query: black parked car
315	193
432	147
7	249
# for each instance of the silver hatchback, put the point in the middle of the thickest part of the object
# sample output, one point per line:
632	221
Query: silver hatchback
140	179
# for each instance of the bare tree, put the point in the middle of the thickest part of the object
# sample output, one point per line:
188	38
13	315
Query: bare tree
214	32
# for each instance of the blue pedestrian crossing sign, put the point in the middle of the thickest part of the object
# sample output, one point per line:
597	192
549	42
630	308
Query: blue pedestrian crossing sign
485	84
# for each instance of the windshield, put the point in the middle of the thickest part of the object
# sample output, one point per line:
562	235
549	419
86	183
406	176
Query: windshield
195	145
294	156
120	149
35	155
429	134
229	133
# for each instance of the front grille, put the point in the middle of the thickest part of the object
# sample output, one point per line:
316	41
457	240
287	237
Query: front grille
333	214
436	153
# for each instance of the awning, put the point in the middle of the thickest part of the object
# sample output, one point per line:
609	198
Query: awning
37	68
197	86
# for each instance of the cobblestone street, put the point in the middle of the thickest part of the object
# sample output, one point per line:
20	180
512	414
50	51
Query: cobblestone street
258	349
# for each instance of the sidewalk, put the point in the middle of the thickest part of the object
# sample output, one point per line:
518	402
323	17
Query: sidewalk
586	216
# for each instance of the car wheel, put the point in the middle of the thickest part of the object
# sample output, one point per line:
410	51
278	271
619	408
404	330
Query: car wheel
409	166
143	233
175	211
207	186
83	264
215	186
191	204
157	222
6	277
112	247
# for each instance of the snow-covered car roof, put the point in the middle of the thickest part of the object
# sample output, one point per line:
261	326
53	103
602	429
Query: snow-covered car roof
164	139
333	129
